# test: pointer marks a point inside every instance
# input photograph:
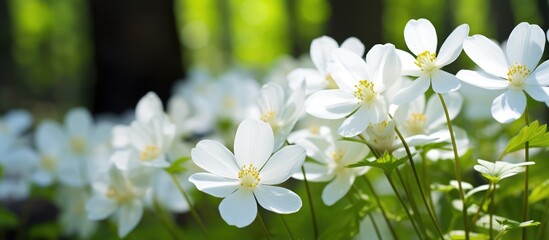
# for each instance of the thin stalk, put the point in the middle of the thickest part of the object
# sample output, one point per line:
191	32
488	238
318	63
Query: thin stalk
403	204
492	206
313	215
541	230
488	192
287	227
457	166
412	203
375	226
369	214
426	180
412	164
191	207
263	226
166	221
526	159
378	202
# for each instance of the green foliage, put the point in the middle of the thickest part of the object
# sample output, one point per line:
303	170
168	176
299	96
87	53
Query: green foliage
387	162
48	230
346	223
177	166
540	192
534	134
7	219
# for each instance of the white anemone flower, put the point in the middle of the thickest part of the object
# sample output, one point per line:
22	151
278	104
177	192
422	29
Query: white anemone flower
121	194
331	160
421	38
318	78
496	171
14	123
360	96
248	175
18	165
279	111
148	139
382	137
513	70
73	216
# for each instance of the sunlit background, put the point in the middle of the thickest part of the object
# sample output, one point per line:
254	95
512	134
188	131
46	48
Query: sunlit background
104	55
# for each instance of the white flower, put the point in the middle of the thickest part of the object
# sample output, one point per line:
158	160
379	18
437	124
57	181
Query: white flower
421	38
318	78
280	112
361	88
513	70
118	193
382	137
496	171
73	216
18	166
247	176
13	124
331	158
148	139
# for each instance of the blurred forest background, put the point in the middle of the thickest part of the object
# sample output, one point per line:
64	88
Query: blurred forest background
104	55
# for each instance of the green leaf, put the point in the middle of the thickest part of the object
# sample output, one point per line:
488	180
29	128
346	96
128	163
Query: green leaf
536	135
460	235
345	224
387	162
540	192
177	166
7	219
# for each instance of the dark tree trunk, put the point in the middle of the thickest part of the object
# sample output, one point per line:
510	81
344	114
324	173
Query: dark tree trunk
501	15
356	18
136	50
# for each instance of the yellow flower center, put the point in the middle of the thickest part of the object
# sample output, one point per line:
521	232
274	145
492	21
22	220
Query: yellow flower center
229	102
315	129
364	91
119	197
149	152
426	61
48	163
270	118
337	156
78	145
416	123
516	75
249	176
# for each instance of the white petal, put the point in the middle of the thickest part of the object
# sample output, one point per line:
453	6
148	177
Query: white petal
540	94
239	209
159	162
409	68
215	158
121	159
420	35
99	207
282	165
214	185
331	104
50	138
271	98
482	80
277	199
435	113
314	80
321	51
384	66
509	106
129	216
148	107
337	188
347	69
486	54
356	123
413	90
525	45
541	74
315	173
79	123
354	45
443	82
18	121
451	48
253	143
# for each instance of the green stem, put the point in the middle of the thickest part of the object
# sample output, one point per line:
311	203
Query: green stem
541	230
492	206
355	190
287	227
166	221
457	166
403	204
378	202
488	192
412	203
526	159
262	223
412	164
191	207
426	180
313	215
378	234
